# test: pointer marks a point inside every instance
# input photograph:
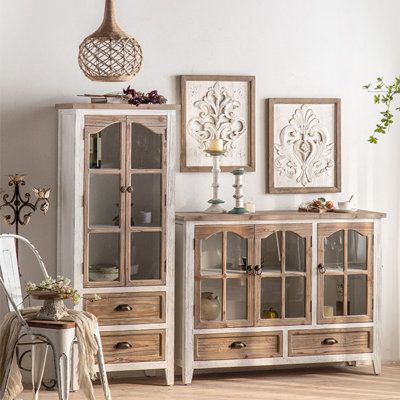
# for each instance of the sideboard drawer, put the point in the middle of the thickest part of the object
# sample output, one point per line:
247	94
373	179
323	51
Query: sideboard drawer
133	346
330	341
127	308
232	346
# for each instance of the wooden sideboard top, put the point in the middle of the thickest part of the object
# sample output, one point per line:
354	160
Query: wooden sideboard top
119	106
274	215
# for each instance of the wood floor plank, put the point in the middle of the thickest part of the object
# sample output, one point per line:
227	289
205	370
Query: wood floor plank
328	383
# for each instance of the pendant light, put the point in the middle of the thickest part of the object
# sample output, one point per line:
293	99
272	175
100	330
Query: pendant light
110	54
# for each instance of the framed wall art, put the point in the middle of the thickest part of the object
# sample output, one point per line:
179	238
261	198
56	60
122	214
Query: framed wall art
217	107
304	146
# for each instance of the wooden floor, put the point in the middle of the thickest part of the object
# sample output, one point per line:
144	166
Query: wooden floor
325	383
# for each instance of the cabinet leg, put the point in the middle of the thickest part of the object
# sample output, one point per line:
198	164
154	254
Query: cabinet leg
170	376
376	365
187	376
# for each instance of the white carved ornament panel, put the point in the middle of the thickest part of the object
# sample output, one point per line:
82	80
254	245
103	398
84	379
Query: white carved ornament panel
304	145
217	109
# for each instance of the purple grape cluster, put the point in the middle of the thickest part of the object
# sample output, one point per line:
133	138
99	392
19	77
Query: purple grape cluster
136	98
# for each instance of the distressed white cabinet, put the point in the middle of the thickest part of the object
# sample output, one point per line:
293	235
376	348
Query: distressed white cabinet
276	288
116	226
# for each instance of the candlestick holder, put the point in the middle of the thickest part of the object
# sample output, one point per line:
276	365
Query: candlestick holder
238	196
215	201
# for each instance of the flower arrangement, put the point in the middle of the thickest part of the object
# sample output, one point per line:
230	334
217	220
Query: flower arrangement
60	286
134	97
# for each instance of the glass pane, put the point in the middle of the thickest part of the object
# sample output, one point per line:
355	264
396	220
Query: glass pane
333	251
211	254
146	200
146	148
145	255
236	298
333	295
295	297
105	148
211	295
236	257
271	299
357	295
271	252
295	245
357	250
104	200
104	253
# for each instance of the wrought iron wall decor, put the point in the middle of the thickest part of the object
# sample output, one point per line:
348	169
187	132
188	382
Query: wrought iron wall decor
110	54
304	145
20	207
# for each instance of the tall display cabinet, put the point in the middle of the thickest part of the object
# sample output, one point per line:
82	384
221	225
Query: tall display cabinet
116	226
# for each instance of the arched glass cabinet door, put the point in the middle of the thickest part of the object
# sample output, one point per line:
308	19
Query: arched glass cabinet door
345	272
146	200
223	284
104	200
283	274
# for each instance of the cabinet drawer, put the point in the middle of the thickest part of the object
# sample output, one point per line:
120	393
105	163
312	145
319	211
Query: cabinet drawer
127	308
330	341
133	346
237	346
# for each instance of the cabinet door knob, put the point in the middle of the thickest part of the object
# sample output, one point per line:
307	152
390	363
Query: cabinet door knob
329	341
122	189
321	268
258	269
123	307
123	346
129	189
237	345
249	270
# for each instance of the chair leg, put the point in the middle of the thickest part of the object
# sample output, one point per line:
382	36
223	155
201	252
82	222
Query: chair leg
62	345
39	355
102	368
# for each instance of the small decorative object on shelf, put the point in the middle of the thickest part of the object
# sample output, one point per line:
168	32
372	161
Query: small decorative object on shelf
319	205
238	196
215	150
53	292
270	313
19	202
210	306
110	54
250	207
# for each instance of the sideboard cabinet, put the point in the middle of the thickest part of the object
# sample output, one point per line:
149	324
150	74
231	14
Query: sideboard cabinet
116	226
276	288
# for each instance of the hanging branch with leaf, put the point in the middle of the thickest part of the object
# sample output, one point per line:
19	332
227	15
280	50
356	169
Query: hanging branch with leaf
384	93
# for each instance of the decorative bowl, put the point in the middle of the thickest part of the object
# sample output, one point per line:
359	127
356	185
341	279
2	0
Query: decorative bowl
103	273
41	294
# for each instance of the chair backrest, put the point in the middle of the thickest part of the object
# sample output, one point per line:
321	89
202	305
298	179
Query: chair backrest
10	279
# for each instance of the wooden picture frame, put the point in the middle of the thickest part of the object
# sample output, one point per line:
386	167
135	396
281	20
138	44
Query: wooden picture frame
296	169
197	122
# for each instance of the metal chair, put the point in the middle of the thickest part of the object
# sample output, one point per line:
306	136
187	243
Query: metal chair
59	335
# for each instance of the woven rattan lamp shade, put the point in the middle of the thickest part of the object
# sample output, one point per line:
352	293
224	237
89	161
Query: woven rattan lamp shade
110	54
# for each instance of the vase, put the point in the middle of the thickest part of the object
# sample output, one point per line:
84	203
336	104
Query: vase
53	308
210	306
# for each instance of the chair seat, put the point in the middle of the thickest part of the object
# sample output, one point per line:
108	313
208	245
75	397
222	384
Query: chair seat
34	323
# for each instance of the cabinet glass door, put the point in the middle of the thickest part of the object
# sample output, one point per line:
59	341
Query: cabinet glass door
104	202
222	281
283	286
345	272
146	197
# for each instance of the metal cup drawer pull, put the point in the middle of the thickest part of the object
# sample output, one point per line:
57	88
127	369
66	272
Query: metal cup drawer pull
237	345
329	341
123	346
123	307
